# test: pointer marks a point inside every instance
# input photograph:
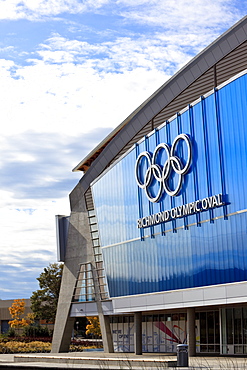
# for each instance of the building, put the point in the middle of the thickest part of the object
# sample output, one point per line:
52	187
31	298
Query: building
157	235
5	315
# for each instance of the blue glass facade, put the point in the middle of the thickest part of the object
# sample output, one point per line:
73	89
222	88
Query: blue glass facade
196	250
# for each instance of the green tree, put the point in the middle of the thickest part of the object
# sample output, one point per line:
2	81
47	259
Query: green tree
44	300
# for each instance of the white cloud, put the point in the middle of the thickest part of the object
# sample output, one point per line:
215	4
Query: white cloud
167	14
181	14
70	98
35	9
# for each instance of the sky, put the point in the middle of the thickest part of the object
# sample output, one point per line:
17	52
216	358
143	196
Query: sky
70	72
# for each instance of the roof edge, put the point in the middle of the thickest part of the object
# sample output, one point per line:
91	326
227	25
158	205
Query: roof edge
194	60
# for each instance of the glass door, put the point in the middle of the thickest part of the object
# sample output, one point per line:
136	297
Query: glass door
234	330
208	340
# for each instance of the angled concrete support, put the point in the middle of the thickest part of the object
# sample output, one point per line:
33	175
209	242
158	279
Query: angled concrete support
79	250
106	333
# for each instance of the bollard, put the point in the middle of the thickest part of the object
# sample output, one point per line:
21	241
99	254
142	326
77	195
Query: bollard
182	355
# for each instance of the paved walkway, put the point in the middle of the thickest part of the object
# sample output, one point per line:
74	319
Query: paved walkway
100	360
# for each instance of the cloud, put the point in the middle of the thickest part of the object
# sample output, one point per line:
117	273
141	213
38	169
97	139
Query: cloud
34	10
38	165
35	181
70	98
181	14
121	54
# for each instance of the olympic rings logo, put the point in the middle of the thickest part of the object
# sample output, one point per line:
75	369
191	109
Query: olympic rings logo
162	175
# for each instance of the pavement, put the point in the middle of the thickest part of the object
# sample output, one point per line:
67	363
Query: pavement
114	361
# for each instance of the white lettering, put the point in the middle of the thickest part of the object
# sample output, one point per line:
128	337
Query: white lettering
205	203
181	211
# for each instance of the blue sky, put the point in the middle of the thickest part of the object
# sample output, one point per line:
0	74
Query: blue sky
71	71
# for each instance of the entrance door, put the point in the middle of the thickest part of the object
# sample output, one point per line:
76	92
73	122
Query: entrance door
234	331
209	332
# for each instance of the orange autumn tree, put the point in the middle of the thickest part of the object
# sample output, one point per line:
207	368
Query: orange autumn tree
17	312
93	327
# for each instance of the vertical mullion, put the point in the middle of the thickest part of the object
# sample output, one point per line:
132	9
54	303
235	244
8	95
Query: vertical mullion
139	197
206	152
150	204
185	218
195	174
162	225
220	148
171	198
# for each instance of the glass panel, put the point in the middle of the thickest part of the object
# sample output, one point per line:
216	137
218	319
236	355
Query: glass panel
92	220
182	316
175	317
238	350
245	325
211	328
217	328
97	250
211	348
217	349
95	235
81	276
89	282
223	325
229	326
203	348
96	242
89	274
203	327
237	325
94	227
91	213
98	257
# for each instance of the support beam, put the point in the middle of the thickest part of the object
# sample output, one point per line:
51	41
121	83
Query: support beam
79	250
106	333
191	331
138	333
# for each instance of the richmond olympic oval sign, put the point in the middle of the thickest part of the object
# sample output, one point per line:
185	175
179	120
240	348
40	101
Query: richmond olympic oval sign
163	172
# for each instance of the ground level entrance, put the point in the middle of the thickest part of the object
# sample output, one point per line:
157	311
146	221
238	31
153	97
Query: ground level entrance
163	332
221	331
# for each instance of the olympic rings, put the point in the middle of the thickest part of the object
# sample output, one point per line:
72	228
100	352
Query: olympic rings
161	175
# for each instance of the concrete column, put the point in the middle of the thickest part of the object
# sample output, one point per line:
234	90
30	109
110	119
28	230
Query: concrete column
191	331
79	250
106	333
138	333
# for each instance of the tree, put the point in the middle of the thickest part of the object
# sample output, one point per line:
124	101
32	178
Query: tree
44	300
17	313
94	326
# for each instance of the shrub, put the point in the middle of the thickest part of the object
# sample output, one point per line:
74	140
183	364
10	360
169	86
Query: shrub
36	331
11	332
22	347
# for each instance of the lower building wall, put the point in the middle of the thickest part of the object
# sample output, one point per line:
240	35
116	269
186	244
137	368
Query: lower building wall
218	331
160	333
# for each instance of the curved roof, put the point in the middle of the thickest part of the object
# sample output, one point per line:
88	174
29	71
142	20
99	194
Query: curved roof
105	152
